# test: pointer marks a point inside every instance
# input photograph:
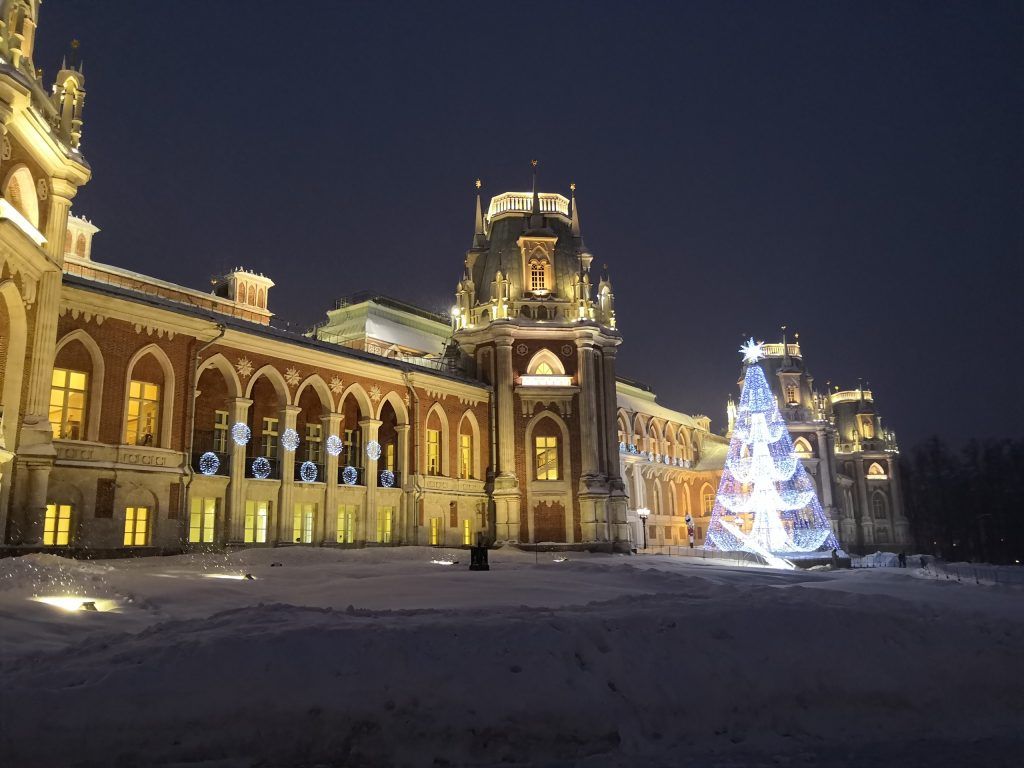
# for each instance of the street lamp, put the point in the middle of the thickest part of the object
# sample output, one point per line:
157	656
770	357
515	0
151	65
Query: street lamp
643	513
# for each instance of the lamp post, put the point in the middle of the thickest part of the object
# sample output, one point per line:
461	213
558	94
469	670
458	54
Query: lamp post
643	513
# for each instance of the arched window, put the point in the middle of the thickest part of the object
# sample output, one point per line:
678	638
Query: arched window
802	448
707	494
240	293
467	448
150	394
791	394
263	298
80	246
436	442
876	470
538	275
69	242
252	295
545	363
20	191
879	509
546	453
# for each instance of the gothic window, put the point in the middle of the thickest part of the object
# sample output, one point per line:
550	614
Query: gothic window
80	247
802	448
867	426
263	299
546	454
544	369
143	424
433	451
878	507
240	293
791	394
69	242
538	275
252	295
68	391
876	470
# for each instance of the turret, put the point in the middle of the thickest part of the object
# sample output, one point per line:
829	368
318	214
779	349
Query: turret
245	287
605	300
18	21
69	96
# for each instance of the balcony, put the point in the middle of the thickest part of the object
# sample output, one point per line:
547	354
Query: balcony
321	476
349	475
396	479
222	468
273	464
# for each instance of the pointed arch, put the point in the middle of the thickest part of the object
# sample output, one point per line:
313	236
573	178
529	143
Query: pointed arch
357	392
802	448
222	364
879	506
544	360
166	396
468	425
444	442
397	403
565	467
876	470
703	504
625	433
93	415
320	387
276	380
20	191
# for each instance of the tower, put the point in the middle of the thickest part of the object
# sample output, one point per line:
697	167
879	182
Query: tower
527	323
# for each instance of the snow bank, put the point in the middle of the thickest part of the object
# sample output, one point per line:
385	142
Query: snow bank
377	657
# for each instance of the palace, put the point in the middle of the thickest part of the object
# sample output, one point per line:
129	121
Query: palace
141	415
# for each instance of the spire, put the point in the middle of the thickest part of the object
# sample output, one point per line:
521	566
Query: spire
479	237
536	218
575	214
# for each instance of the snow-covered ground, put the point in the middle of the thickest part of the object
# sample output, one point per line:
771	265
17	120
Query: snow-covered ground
379	657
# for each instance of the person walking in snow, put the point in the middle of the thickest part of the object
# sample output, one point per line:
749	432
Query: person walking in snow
903	559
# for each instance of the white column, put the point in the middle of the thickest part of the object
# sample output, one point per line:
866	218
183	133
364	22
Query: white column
330	425
370	429
234	515
286	462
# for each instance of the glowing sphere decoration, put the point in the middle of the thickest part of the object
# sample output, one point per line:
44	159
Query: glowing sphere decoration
334	445
209	463
308	472
349	475
241	433
289	439
260	468
373	450
387	479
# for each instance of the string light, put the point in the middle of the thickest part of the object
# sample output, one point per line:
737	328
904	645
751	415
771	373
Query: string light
334	445
373	450
209	463
241	433
260	468
289	439
349	475
308	472
764	482
387	479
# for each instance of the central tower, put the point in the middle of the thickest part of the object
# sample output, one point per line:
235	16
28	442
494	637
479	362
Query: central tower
528	322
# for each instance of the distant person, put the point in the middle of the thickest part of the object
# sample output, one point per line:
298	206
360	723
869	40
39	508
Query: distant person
924	563
835	557
903	559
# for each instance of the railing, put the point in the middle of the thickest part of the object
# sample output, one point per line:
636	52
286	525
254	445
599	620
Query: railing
775	350
275	468
970	573
359	476
223	463
522	202
850	396
320	476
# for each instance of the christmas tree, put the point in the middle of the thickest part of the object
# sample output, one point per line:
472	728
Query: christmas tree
766	502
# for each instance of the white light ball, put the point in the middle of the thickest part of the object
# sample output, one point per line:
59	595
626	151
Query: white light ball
387	479
209	463
241	433
349	475
260	468
308	472
289	439
334	445
373	450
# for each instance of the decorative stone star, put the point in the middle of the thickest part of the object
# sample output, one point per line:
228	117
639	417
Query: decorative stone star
244	367
752	351
292	376
337	385
375	393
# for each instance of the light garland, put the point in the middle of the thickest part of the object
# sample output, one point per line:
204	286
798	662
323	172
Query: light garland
763	482
308	472
387	479
241	433
373	450
260	468
289	439
349	475
209	463
334	445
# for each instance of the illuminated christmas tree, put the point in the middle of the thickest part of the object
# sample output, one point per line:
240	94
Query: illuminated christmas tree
766	502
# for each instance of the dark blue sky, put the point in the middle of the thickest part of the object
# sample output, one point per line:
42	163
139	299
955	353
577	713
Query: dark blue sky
854	170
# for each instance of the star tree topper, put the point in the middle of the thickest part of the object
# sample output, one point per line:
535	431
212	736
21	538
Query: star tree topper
752	351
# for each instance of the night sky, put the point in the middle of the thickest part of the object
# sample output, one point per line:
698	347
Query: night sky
853	170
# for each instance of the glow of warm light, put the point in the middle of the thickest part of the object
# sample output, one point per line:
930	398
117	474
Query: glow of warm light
74	603
232	576
643	513
443	562
546	381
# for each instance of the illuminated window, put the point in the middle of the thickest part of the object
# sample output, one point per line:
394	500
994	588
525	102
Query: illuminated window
546	455
143	426
433	451
867	425
353	448
256	514
136	526
467	533
465	456
67	403
384	520
302	523
538	275
802	448
346	523
389	456
709	502
544	370
876	470
57	525
791	394
435	531
268	438
220	431
314	442
201	520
